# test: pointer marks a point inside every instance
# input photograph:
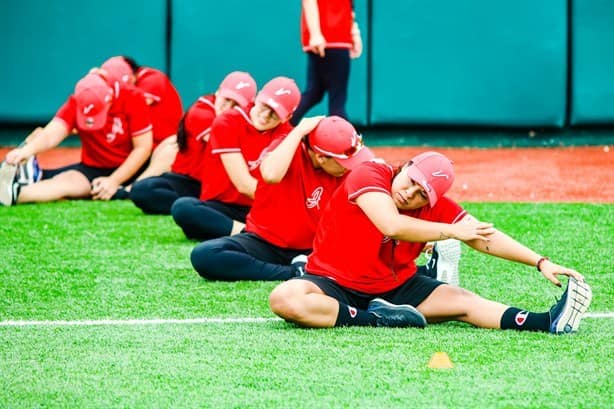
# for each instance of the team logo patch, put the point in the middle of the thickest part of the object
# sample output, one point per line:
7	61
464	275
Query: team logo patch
521	318
440	174
283	91
314	200
353	311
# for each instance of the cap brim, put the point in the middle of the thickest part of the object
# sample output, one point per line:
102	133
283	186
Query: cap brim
416	175
280	110
235	96
92	122
363	155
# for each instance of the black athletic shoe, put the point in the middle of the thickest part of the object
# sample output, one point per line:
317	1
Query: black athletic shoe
392	315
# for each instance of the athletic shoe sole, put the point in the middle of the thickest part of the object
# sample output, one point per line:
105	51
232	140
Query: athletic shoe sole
7	177
579	295
449	252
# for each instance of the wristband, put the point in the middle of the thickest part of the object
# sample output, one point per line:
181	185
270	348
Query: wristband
539	263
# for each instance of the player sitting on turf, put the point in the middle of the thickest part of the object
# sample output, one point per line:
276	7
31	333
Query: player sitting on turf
156	195
116	140
362	270
230	165
299	175
164	105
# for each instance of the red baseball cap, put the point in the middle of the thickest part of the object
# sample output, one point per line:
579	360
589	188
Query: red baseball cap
337	138
434	172
93	96
282	95
240	87
117	70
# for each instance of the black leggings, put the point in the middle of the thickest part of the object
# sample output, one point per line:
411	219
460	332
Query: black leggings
156	195
206	220
244	256
330	74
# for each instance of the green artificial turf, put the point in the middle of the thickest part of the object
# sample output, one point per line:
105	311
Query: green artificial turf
91	261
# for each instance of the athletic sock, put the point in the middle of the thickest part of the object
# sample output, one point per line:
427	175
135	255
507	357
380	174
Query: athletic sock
515	318
351	316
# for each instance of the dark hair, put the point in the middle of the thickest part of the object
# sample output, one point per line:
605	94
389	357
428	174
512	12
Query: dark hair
132	63
182	134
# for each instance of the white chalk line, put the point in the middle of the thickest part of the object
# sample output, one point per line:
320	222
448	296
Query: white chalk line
175	321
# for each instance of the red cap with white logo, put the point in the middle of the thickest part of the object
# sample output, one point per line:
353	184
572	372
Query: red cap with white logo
116	69
282	95
93	96
335	137
240	87
434	172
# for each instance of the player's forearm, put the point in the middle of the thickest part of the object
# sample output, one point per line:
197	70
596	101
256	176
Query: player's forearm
275	164
134	161
49	137
503	246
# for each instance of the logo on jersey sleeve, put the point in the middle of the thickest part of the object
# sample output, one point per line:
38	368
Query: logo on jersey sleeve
314	199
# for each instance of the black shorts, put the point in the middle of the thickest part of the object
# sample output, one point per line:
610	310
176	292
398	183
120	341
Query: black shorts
261	249
89	172
412	292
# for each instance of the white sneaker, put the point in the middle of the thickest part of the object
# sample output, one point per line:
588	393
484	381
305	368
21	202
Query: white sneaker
444	260
7	179
299	263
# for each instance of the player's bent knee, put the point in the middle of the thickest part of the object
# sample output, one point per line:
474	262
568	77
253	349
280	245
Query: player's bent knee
285	302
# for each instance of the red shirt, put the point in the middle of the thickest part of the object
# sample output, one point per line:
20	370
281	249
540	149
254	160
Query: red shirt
233	132
108	147
349	249
189	160
166	110
286	213
335	24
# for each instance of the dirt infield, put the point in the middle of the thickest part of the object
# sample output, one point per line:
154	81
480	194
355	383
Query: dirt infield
571	174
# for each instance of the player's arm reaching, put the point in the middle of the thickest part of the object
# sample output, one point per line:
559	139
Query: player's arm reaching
276	162
47	138
503	246
238	172
103	188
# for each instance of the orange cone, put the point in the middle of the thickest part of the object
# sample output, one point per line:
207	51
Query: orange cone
440	360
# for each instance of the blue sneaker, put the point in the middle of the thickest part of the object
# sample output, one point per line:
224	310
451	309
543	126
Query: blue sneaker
566	314
8	186
392	315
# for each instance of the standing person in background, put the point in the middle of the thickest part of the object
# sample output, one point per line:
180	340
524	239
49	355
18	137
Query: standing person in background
164	103
231	162
116	140
330	36
156	194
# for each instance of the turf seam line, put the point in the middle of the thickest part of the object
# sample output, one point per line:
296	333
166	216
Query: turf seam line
163	321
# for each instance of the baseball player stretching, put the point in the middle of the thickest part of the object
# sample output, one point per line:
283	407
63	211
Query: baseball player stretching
116	140
369	278
300	174
156	195
230	166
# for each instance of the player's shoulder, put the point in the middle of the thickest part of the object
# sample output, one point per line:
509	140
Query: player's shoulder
375	168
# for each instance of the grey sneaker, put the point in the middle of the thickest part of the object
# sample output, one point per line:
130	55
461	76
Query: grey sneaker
299	263
7	182
393	315
566	314
443	263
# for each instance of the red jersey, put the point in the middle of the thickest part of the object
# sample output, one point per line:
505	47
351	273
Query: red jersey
108	147
286	213
335	23
233	132
349	249
166	110
189	160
